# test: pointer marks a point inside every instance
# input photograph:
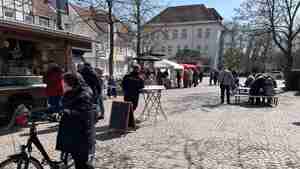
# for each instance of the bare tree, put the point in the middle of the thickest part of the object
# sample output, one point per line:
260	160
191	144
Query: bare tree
110	6
279	17
138	12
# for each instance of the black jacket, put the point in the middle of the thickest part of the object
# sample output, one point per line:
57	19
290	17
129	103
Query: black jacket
132	85
91	79
76	132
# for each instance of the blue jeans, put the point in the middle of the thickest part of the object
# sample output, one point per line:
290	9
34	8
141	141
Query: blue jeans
55	105
100	105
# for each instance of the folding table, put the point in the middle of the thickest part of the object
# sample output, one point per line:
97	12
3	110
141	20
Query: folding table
153	106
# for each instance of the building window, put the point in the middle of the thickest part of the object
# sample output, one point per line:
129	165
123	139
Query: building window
184	34
9	4
1	11
175	34
29	19
153	36
67	26
207	33
9	13
199	47
199	33
157	36
178	48
43	21
16	9
170	49
163	49
206	48
166	35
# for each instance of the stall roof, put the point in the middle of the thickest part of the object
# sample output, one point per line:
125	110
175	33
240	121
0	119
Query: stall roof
19	29
188	66
168	64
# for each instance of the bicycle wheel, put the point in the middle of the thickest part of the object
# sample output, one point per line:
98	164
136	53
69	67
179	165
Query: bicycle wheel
19	163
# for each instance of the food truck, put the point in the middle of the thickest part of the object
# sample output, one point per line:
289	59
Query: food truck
25	51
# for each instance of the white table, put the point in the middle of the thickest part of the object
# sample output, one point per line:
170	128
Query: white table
243	90
152	96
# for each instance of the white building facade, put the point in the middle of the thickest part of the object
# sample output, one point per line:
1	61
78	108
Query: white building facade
79	21
201	33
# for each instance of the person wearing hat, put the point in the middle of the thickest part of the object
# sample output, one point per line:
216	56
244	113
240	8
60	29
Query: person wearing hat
76	133
132	85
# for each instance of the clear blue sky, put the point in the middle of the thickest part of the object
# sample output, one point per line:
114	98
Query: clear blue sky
224	7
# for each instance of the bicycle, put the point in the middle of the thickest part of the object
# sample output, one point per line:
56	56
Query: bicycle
24	160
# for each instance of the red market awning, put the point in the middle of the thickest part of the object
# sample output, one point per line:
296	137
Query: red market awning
189	66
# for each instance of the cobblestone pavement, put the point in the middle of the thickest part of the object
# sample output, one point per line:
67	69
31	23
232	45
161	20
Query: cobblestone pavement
199	134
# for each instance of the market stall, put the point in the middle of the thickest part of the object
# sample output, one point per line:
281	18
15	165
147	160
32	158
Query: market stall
172	68
25	51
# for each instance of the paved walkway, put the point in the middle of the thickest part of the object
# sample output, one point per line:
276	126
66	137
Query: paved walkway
199	134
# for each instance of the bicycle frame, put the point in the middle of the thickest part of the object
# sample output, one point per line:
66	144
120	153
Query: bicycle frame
34	140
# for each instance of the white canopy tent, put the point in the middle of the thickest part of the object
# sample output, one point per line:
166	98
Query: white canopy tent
168	64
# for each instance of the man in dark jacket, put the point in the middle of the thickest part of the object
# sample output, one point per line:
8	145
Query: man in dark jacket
132	85
76	134
226	81
90	77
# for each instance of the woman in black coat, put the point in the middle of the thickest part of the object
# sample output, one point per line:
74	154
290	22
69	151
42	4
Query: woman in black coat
76	134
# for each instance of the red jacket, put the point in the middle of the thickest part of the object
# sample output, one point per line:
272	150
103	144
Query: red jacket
54	81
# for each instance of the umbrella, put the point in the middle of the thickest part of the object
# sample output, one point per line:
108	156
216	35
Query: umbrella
147	58
189	66
168	64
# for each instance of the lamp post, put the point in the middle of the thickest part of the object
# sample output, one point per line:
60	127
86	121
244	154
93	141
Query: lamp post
58	15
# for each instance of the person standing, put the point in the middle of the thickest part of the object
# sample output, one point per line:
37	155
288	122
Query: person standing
200	76
196	78
190	74
112	87
54	89
178	77
185	78
76	132
215	77
90	77
100	105
226	81
211	77
132	85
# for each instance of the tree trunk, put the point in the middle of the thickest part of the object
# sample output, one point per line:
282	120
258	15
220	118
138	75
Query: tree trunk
138	18
111	39
290	76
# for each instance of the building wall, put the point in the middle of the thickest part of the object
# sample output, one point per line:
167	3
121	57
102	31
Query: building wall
208	45
99	55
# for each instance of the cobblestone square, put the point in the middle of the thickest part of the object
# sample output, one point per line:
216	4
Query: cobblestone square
199	133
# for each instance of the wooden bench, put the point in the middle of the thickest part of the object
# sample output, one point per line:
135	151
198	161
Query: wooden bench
274	99
237	98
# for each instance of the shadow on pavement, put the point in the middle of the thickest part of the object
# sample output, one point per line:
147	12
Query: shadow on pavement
247	105
10	131
192	102
236	153
132	157
48	130
297	93
212	106
110	135
296	123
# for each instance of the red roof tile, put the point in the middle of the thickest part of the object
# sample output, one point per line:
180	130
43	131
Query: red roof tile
188	13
